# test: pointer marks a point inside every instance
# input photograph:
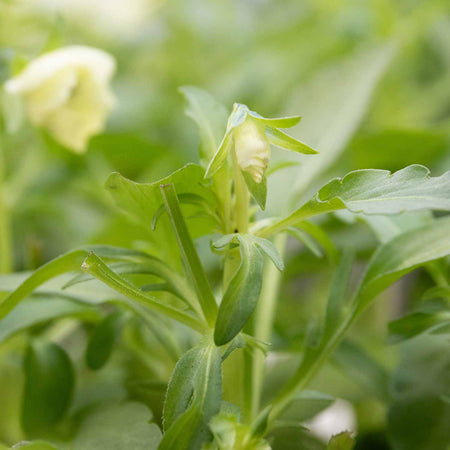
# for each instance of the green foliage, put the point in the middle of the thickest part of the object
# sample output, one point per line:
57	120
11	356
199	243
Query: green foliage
118	426
49	385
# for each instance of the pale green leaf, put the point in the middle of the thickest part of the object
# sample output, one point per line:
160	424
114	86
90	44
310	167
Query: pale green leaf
283	140
402	254
257	190
117	427
342	441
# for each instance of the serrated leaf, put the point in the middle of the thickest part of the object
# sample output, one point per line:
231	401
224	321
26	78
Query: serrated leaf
283	140
49	384
193	398
101	341
118	427
242	293
402	254
342	441
142	200
373	191
210	117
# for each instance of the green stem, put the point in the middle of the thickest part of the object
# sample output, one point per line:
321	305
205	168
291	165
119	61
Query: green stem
5	223
263	322
189	254
242	198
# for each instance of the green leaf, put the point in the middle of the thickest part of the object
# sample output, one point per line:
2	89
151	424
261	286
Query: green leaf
193	398
98	269
322	238
305	239
210	117
39	310
257	190
269	250
49	385
279	122
342	441
220	156
34	445
414	324
402	254
338	293
102	340
372	191
65	263
142	201
305	405
242	293
118	427
419	412
363	368
283	140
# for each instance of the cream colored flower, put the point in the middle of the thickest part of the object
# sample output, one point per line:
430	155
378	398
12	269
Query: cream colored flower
67	92
252	147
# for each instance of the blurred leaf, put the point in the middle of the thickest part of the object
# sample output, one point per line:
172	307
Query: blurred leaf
103	339
338	293
342	441
305	239
38	310
414	324
241	296
419	412
305	405
193	398
362	368
118	427
49	385
402	254
35	445
210	117
293	438
257	190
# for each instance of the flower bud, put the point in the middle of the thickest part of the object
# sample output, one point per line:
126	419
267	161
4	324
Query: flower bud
252	148
67	92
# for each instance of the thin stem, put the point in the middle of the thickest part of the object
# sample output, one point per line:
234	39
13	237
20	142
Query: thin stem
5	222
242	198
263	321
189	255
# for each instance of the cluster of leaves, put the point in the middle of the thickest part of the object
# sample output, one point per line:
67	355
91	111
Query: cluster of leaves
167	285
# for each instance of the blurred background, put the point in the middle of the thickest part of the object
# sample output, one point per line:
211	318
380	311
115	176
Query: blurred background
371	79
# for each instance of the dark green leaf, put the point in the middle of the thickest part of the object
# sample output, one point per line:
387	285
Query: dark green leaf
49	384
102	340
242	293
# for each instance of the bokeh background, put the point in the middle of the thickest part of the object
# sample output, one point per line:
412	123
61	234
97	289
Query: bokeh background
370	78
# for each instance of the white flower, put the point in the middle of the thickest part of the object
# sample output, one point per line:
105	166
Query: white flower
67	92
252	147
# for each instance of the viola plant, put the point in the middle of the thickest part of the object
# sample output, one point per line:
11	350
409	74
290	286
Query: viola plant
199	318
